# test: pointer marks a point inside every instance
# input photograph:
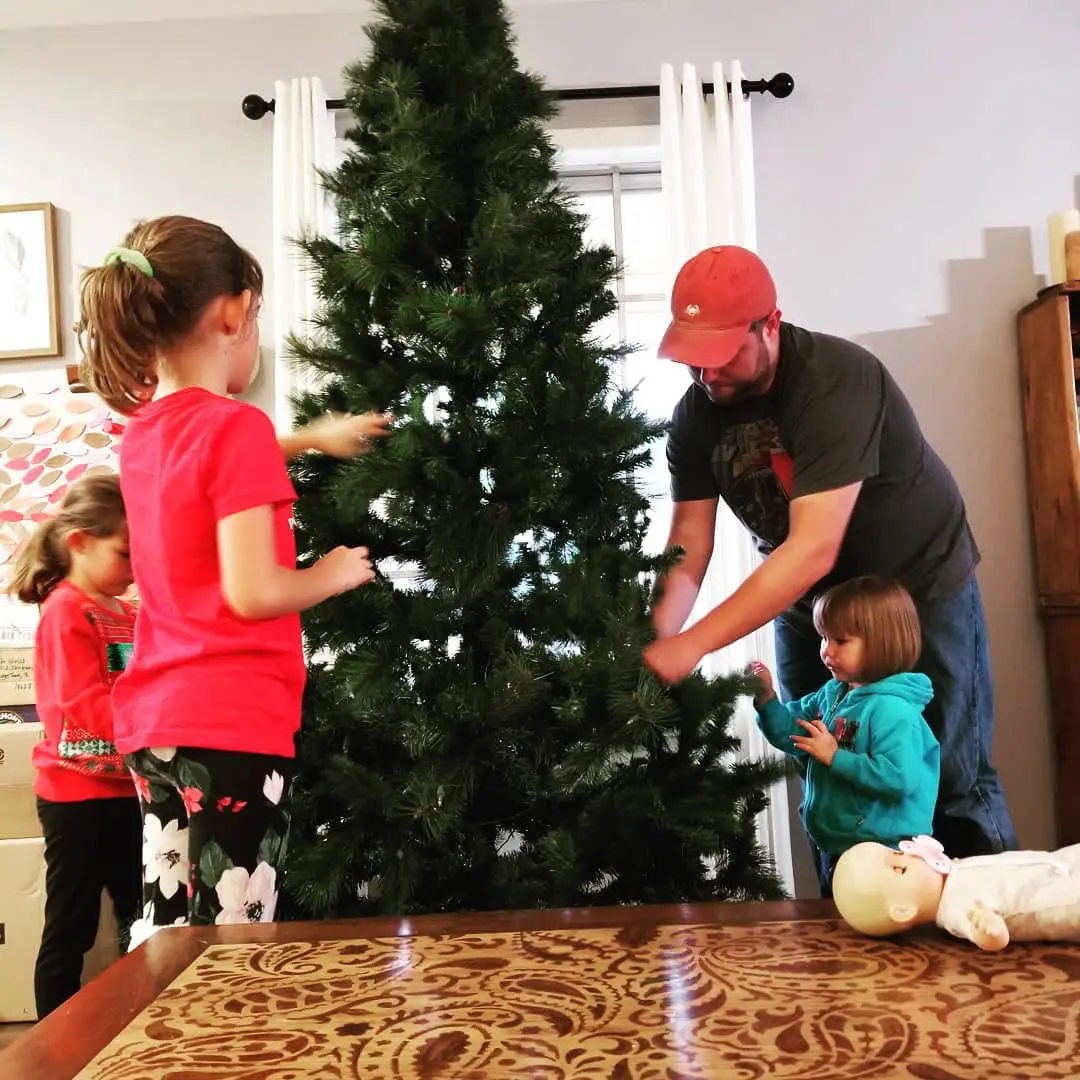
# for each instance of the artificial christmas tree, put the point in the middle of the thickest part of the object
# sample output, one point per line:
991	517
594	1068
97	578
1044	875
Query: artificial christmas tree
484	734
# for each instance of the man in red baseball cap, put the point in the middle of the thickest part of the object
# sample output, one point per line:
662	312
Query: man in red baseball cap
718	299
813	446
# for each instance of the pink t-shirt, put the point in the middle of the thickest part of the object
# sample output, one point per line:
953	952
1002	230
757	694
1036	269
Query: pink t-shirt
201	676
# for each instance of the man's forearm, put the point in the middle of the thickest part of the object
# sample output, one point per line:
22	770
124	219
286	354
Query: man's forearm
679	590
769	591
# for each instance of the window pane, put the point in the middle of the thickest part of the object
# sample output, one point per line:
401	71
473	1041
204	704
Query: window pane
607	330
658	386
600	209
660	383
643	243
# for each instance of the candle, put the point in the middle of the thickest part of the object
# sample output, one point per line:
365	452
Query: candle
1059	225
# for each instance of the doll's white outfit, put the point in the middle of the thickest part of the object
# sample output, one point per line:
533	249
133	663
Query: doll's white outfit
1037	893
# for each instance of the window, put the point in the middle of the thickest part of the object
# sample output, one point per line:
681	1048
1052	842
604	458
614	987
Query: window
626	212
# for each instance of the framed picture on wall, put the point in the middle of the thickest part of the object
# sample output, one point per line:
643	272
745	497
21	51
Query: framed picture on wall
29	293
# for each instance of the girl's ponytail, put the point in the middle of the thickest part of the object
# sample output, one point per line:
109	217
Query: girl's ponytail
149	296
92	505
43	562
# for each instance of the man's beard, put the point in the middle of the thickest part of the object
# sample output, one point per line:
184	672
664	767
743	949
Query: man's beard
727	394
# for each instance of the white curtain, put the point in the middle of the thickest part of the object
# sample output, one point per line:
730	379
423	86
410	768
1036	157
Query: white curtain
707	179
303	144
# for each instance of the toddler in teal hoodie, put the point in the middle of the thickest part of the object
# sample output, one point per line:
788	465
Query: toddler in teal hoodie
869	760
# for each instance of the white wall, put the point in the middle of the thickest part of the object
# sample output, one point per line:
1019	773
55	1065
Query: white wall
902	197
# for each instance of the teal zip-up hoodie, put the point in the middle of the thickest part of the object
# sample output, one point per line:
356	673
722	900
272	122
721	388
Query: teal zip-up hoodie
883	782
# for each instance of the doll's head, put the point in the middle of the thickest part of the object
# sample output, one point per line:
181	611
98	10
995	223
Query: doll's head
879	891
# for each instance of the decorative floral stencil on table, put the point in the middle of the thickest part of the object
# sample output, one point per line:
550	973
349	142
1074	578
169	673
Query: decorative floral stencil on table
783	1000
49	437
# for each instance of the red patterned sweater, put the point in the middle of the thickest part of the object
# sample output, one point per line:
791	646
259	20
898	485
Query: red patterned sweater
80	649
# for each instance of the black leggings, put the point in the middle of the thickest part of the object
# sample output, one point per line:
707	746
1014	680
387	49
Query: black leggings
90	846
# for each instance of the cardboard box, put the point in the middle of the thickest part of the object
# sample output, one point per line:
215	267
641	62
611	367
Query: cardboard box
22	880
17	675
18	804
22	910
22	916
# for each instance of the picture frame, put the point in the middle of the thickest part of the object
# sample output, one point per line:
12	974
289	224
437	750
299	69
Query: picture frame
29	282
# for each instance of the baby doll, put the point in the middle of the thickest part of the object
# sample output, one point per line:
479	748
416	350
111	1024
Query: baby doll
987	899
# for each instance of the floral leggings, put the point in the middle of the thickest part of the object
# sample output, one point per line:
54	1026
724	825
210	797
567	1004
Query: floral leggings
215	832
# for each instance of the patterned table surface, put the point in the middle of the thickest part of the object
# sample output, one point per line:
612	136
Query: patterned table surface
792	999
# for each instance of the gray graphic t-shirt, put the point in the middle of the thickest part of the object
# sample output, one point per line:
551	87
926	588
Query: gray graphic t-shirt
833	417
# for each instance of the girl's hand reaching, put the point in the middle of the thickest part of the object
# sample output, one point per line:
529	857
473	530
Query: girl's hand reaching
256	586
343	436
344	569
760	672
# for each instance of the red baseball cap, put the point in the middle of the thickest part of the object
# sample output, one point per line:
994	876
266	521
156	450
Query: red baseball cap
717	295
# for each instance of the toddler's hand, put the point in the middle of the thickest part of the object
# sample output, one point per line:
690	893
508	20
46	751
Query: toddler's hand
819	742
346	568
760	672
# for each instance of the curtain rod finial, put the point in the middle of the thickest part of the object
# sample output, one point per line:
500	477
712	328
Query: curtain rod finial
782	85
255	107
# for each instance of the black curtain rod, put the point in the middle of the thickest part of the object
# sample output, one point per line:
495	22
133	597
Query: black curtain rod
780	86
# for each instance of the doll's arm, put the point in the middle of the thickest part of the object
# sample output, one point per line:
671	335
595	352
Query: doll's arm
986	928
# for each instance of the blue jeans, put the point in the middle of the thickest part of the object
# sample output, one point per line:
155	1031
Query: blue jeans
971	816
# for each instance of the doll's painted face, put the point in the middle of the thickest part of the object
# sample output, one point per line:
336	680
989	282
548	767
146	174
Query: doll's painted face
900	864
892	874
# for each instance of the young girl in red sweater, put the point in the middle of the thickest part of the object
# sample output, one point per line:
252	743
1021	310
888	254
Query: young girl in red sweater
209	706
76	567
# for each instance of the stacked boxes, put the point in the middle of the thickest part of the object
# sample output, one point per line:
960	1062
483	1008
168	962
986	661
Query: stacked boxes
22	872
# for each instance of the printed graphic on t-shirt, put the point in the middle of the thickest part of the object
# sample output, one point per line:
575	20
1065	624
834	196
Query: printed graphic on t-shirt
784	467
750	465
118	654
87	752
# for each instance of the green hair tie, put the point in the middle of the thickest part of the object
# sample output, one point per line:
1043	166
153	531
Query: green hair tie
132	258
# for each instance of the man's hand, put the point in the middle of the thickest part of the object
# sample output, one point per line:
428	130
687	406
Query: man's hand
760	672
673	658
820	743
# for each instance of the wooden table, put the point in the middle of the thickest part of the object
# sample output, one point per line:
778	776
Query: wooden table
650	993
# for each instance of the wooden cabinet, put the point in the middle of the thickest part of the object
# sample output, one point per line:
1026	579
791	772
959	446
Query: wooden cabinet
1049	331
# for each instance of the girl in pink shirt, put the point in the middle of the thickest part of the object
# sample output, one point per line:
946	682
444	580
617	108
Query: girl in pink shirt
210	703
